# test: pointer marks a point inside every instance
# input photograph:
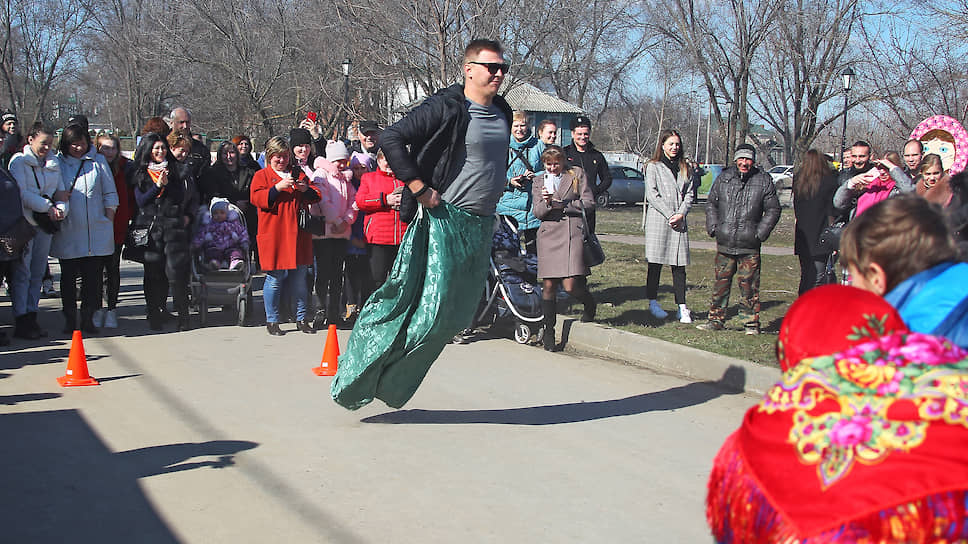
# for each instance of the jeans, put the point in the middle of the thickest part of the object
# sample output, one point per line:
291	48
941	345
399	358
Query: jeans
295	281
28	274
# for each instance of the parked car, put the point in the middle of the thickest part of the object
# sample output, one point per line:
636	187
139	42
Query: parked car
628	186
782	175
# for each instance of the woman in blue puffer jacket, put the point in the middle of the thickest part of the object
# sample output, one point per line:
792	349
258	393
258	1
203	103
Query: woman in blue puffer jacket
524	161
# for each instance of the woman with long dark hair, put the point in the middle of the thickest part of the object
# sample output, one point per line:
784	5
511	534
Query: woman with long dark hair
37	172
165	209
668	197
813	188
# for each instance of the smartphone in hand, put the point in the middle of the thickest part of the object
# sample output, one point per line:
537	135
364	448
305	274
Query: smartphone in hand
311	115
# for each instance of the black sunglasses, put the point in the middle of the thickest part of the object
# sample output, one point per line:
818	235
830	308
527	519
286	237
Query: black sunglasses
493	67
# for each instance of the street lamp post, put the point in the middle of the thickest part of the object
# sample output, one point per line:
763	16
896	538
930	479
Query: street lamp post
346	64
847	74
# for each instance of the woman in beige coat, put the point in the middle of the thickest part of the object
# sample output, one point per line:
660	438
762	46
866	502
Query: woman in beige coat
668	197
560	193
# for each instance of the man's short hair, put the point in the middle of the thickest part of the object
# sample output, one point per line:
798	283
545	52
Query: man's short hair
476	46
904	235
861	143
914	141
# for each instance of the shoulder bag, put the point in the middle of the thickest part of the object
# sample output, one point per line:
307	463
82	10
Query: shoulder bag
592	250
13	240
43	220
313	224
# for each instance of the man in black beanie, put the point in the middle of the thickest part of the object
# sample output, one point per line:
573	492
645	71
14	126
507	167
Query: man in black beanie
741	211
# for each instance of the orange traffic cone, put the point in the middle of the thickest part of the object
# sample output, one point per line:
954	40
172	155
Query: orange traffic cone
77	365
327	367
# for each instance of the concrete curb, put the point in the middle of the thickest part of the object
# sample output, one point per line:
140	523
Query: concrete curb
666	357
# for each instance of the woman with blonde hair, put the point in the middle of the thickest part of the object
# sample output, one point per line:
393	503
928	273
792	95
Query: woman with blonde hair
285	251
560	195
668	197
524	159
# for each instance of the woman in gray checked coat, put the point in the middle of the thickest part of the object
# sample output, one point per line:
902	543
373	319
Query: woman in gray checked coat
668	197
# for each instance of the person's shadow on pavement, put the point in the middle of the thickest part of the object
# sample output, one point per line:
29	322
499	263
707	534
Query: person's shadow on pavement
731	383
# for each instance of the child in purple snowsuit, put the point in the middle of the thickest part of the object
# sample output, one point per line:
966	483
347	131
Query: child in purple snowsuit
222	239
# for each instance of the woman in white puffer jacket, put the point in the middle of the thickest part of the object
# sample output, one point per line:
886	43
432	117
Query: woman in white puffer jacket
38	175
86	235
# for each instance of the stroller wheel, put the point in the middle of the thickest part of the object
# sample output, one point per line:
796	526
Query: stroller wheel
522	333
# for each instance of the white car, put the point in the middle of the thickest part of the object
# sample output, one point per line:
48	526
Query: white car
782	175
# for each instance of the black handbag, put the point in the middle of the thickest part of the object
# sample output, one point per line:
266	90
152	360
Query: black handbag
830	237
13	240
42	219
313	224
592	250
136	243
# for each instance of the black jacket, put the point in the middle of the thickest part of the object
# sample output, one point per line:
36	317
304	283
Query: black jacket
741	213
813	215
219	182
594	165
428	142
199	159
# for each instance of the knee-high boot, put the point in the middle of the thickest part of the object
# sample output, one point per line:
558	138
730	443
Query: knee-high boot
550	311
588	312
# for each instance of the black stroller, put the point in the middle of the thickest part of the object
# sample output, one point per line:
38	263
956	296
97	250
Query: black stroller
513	292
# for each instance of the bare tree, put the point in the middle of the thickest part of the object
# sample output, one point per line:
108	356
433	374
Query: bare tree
40	47
721	41
800	69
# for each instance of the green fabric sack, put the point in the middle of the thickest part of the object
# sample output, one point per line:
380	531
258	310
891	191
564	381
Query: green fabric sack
432	293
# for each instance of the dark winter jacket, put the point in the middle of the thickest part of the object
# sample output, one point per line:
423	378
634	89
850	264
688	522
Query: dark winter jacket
741	211
220	182
428	142
199	159
593	163
813	215
163	211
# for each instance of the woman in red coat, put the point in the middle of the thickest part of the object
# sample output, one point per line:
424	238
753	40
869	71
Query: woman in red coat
379	197
285	251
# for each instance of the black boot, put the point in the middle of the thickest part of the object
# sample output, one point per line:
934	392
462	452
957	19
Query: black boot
36	326
23	329
588	312
70	321
549	310
87	323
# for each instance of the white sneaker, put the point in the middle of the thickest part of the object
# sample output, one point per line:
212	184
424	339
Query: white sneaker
685	316
111	319
657	310
98	318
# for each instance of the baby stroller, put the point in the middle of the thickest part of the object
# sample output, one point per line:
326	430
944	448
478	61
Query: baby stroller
223	287
513	291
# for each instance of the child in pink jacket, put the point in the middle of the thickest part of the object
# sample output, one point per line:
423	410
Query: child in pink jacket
333	178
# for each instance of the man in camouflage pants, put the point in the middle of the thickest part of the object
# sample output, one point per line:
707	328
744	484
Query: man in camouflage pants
741	212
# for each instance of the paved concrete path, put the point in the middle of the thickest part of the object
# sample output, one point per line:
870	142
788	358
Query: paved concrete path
223	434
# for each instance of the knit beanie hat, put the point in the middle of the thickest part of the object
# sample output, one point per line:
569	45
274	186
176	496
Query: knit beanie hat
336	150
745	151
8	116
299	136
361	159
